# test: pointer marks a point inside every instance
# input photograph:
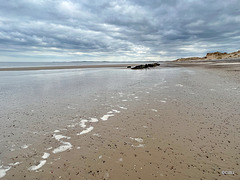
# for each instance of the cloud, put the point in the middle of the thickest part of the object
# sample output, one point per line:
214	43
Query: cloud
117	30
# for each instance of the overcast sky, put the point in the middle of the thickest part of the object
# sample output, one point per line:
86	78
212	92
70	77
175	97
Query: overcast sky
122	30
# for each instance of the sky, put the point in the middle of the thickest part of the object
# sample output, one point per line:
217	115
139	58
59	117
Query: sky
122	30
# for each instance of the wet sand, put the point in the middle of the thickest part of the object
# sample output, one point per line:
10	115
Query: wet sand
172	122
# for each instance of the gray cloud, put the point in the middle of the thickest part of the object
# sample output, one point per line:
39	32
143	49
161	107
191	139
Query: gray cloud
117	30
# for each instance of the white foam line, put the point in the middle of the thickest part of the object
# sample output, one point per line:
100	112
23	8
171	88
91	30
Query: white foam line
124	100
116	111
15	164
34	168
66	146
3	170
122	107
140	145
179	85
72	125
69	107
105	117
25	146
137	139
86	130
56	131
82	123
45	155
98	135
59	136
163	101
154	110
93	120
49	148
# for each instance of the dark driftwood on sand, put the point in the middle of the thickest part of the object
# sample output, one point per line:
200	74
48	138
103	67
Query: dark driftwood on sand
144	66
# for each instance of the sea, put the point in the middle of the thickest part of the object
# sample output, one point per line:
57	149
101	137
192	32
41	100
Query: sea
72	63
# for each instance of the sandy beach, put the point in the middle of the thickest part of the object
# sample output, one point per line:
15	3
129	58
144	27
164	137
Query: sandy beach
176	121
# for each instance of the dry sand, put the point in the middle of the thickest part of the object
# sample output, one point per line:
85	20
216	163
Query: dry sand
182	126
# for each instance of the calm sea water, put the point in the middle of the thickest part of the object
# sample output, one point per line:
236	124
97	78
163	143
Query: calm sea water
44	64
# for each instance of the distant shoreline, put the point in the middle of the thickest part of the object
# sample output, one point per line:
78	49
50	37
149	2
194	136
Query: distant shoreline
213	56
163	64
63	67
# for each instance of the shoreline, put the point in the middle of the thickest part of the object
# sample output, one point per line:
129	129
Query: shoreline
64	67
162	64
224	62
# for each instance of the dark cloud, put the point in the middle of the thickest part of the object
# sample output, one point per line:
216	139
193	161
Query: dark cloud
117	30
